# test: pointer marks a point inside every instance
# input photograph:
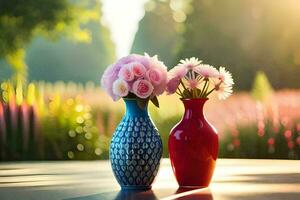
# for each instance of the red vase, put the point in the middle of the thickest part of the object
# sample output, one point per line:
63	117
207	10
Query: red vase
193	146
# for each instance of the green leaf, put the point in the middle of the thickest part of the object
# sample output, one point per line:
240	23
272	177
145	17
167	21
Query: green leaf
198	92
186	94
142	103
154	100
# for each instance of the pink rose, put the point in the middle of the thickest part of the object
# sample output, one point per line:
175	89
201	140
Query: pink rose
109	76
154	76
161	87
126	73
138	69
126	59
158	76
142	88
131	68
120	88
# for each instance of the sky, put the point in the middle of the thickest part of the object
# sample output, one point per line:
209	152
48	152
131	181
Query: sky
122	18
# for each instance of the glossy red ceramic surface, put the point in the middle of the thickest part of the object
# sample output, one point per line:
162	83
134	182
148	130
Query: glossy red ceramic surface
193	146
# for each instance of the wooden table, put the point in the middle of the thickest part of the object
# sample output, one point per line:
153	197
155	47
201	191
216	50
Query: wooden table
93	180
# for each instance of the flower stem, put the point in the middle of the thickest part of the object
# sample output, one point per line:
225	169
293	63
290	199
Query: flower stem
185	87
194	94
203	90
198	93
208	93
205	93
178	93
181	94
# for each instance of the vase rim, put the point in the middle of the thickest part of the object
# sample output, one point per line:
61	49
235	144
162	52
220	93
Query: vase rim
130	98
194	99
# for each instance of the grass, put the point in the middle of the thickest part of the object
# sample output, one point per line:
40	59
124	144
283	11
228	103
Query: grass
74	121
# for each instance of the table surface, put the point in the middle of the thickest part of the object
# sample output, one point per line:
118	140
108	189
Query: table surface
93	180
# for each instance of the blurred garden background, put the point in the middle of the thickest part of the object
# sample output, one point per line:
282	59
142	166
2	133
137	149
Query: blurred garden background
53	52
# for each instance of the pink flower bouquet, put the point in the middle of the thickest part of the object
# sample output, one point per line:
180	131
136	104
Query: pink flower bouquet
192	79
136	76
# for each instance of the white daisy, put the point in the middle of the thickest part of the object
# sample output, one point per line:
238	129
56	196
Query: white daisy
225	76
207	71
223	91
190	63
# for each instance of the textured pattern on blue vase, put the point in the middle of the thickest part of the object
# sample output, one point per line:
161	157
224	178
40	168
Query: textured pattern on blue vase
135	151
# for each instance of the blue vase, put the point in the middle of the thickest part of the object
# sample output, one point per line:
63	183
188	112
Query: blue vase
135	149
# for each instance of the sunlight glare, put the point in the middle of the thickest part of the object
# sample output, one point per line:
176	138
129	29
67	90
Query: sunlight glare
122	18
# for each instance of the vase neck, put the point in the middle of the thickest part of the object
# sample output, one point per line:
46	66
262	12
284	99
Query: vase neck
132	108
193	108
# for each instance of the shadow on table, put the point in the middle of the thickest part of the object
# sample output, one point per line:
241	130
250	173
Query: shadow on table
267	181
179	194
284	178
265	196
120	195
193	194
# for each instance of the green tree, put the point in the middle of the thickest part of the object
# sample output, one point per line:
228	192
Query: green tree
244	35
66	60
159	30
21	21
261	89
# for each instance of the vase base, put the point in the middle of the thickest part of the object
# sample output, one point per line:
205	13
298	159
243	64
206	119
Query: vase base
136	187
